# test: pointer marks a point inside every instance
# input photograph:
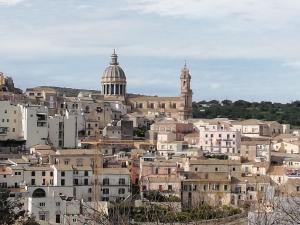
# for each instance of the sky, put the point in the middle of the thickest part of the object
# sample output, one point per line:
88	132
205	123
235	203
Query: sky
246	49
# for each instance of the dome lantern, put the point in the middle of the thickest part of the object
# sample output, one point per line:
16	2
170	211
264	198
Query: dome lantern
113	80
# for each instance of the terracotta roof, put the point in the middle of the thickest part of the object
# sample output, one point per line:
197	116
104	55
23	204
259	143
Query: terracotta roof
213	176
252	179
153	98
214	162
160	179
114	171
66	152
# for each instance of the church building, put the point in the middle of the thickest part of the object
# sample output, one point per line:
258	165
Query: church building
114	89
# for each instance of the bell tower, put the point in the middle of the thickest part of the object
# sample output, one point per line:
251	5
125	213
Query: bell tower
186	93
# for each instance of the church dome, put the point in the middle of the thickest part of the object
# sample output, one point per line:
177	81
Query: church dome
113	80
114	73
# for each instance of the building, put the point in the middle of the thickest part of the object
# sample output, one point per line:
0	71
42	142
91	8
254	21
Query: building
35	124
220	138
10	122
206	188
63	130
113	83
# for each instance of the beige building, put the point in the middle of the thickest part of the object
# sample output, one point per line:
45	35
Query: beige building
114	89
256	150
287	147
210	188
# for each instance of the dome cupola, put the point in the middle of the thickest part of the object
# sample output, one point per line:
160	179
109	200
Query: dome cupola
113	80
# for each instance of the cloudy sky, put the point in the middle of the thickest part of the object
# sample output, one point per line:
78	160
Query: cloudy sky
245	49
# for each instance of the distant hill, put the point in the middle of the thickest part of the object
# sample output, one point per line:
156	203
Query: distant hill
281	112
69	92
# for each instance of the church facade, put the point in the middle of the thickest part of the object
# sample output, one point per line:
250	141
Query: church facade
114	88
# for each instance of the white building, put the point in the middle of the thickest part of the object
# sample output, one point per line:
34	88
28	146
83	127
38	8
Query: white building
10	121
35	124
115	184
63	130
168	149
220	138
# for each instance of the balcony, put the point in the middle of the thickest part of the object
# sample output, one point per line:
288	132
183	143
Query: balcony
41	117
3	131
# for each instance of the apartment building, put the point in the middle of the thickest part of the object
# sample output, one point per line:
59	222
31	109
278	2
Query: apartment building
210	188
10	122
63	130
220	138
35	124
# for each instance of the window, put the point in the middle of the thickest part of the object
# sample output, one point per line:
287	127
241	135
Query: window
86	173
51	174
42	204
14	130
74	220
44	173
216	169
57	219
106	181
225	187
66	162
105	191
90	190
86	181
62	182
216	187
39	193
62	173
196	169
122	181
169	171
33	173
170	188
32	181
298	188
156	170
233	169
75	182
121	191
105	199
44	182
42	216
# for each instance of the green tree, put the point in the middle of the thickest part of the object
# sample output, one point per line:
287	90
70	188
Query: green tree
10	208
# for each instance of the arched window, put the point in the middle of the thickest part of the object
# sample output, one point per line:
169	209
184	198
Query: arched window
39	193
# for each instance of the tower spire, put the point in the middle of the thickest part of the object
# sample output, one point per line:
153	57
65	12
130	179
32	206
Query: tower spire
114	58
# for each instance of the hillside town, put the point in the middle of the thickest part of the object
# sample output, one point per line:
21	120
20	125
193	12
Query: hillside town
73	156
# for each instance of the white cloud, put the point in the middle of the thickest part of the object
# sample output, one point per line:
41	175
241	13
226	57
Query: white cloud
246	9
292	64
214	86
10	2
